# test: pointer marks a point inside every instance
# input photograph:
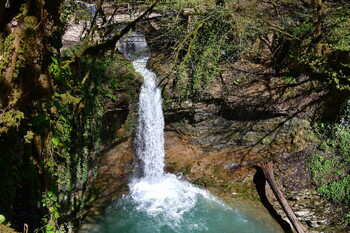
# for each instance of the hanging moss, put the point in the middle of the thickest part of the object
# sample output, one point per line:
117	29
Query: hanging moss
10	119
8	50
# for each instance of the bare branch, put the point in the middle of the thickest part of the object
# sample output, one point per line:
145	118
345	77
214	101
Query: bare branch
267	168
110	43
278	29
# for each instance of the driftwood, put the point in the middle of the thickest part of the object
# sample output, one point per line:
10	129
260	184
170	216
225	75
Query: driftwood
268	172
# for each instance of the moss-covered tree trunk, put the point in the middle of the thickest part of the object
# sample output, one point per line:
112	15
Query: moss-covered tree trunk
28	29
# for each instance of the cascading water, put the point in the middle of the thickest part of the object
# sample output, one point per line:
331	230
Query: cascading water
154	191
158	201
149	134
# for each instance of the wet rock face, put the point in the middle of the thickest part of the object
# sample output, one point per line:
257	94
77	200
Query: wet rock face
115	169
218	133
259	110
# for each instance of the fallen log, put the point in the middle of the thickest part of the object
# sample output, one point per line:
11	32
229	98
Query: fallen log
268	172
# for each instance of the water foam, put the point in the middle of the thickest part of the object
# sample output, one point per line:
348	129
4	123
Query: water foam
169	197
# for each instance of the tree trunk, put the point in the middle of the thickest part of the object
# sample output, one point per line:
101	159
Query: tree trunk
2	8
268	172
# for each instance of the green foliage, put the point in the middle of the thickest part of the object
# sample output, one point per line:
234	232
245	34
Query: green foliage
77	10
237	81
75	114
55	141
6	52
289	77
73	119
50	137
67	11
329	171
319	42
343	136
61	74
347	217
2	218
337	23
202	40
50	201
324	170
335	138
338	191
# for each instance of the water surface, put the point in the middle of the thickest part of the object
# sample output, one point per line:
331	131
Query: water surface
173	205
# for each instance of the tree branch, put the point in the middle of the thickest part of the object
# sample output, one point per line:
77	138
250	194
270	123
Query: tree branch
278	29
268	172
92	24
110	43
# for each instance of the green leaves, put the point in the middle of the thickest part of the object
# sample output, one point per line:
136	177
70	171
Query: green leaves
50	201
55	62
49	228
237	81
206	42
337	25
55	141
61	74
111	96
2	218
329	168
338	191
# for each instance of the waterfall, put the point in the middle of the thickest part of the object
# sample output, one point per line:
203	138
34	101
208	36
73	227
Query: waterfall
149	134
154	191
159	201
149	139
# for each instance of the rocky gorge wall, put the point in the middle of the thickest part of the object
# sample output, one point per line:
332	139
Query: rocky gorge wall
217	140
245	116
